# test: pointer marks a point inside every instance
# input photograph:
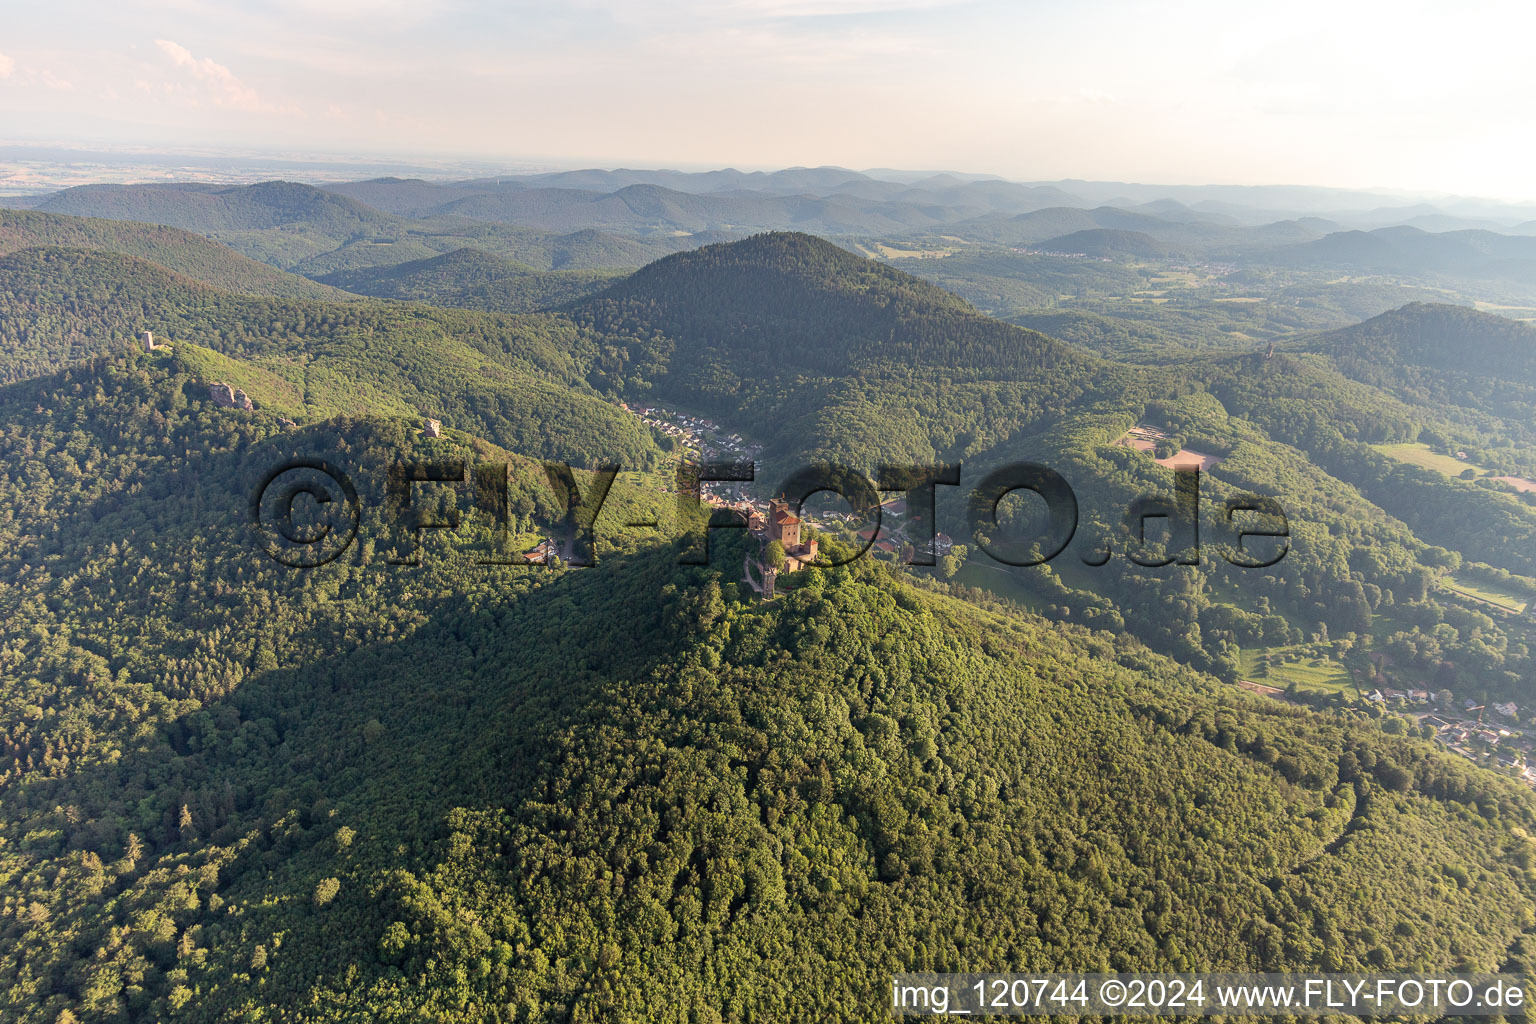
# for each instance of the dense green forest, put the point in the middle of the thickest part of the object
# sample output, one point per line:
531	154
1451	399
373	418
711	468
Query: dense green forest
1446	356
515	381
887	384
473	279
822	354
182	251
455	790
239	792
819	354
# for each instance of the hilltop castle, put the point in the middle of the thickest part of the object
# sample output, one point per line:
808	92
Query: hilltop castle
783	526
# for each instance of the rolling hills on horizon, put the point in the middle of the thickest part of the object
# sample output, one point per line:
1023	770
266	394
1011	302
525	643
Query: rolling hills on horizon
1225	282
827	201
314	232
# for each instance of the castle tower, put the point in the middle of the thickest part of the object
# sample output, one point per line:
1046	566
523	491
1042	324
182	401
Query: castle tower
783	525
147	339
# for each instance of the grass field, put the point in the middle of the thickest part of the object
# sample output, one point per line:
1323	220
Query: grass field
1512	312
1487	592
1422	455
893	252
999	581
1309	673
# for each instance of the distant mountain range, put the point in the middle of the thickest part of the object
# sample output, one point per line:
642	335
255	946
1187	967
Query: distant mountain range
315	232
568	202
1404	249
621	219
208	209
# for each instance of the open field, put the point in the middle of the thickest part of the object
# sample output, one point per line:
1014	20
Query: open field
1421	455
887	251
1310	673
1186	458
1512	312
1261	689
1487	593
999	581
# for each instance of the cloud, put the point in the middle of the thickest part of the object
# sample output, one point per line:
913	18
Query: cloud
49	80
825	8
388	15
32	75
225	90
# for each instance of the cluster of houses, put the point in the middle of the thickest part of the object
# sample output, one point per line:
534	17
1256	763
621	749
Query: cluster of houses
1390	695
1455	732
542	552
696	432
1061	255
1481	741
892	535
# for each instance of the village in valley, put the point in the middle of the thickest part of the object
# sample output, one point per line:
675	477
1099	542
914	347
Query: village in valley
1488	733
1491	733
1492	740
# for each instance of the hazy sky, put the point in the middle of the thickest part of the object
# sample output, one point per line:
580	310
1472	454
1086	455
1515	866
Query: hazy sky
1403	94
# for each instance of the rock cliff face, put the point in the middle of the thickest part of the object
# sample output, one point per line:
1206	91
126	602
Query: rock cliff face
229	397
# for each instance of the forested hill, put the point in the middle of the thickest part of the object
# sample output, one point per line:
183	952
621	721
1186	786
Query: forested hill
234	791
1436	336
1443	355
518	381
1105	242
822	354
182	251
473	279
315	232
787	302
206	208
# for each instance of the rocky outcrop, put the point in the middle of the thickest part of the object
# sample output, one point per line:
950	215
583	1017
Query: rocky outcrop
228	397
